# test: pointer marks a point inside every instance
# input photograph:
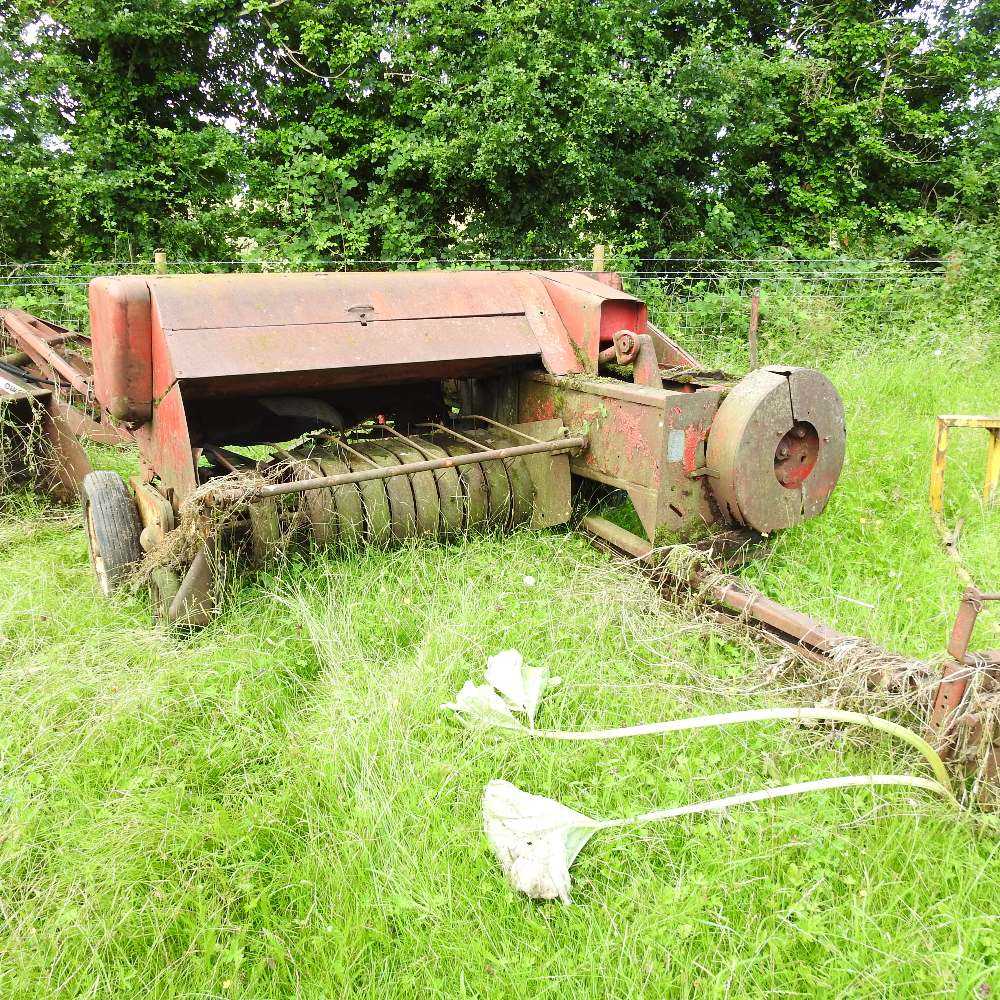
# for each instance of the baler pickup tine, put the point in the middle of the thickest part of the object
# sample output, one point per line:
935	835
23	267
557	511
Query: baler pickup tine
229	460
408	468
478	445
341	443
412	442
496	423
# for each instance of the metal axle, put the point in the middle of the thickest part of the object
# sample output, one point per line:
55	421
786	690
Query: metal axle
431	465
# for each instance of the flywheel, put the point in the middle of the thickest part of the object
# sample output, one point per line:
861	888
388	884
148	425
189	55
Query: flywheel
776	448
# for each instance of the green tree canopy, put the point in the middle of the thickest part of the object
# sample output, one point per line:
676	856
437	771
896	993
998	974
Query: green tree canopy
429	127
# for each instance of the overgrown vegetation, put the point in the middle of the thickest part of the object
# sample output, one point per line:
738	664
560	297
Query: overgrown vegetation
449	127
276	806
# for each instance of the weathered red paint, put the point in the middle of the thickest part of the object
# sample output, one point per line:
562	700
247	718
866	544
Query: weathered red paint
544	408
122	347
165	440
693	437
164	343
637	442
749	477
593	313
184	359
630	432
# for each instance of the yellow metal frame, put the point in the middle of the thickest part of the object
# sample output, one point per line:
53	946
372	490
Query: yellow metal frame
944	423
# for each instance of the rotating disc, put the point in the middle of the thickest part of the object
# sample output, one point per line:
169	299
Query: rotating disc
522	491
776	448
449	487
474	489
815	401
398	490
317	505
374	501
426	504
498	488
347	504
265	529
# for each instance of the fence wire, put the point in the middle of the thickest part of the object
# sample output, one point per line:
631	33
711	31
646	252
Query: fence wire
704	303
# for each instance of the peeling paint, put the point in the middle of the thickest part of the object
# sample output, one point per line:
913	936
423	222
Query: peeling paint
693	437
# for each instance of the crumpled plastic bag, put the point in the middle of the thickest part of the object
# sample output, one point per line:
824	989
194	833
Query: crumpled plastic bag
519	685
536	839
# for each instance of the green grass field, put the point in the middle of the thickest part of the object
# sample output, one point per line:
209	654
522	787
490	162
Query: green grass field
277	806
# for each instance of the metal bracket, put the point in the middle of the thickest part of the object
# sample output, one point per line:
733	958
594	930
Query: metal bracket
958	673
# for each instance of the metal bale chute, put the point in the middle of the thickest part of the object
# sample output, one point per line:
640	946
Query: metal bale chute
382	407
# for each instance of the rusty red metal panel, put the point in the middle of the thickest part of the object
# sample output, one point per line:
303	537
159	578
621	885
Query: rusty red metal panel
120	334
165	441
557	349
623	421
161	340
592	312
337	355
643	440
621	314
39	341
670	352
411	325
196	302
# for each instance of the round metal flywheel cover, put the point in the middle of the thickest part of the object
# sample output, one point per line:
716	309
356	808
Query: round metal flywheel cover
776	448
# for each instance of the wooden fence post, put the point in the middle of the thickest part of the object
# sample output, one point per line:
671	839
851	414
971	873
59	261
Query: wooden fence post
754	325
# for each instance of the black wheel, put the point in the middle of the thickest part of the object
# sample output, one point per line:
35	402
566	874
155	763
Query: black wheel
113	528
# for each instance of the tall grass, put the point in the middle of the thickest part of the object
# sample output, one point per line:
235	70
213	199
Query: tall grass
276	806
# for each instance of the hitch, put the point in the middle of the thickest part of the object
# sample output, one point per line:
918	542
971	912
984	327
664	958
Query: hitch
957	725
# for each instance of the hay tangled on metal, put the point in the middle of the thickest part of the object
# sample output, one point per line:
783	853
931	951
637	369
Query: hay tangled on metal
856	675
217	512
22	445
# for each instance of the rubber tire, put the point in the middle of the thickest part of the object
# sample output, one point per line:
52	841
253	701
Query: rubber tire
112	522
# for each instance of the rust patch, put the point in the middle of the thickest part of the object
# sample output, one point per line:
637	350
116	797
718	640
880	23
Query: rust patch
631	434
544	409
693	437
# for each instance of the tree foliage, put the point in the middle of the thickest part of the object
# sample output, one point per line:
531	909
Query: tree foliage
428	127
